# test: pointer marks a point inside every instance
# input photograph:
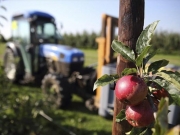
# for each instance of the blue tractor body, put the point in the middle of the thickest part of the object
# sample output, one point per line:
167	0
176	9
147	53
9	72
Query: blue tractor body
62	59
61	53
33	13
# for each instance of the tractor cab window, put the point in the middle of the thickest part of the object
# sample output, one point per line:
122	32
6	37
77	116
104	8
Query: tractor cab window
46	32
21	31
49	29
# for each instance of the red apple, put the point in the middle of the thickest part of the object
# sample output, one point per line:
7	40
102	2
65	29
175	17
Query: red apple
140	115
160	94
131	89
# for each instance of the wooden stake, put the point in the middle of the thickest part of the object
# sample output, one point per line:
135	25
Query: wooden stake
131	21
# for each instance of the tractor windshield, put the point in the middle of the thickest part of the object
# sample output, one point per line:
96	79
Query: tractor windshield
46	32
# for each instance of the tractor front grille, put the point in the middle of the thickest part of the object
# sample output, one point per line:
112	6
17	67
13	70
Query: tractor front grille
67	69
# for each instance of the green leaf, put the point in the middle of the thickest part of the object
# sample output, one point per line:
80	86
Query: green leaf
174	93
145	37
175	96
140	131
128	71
171	77
105	79
121	116
162	82
155	66
148	57
161	122
173	74
139	59
124	50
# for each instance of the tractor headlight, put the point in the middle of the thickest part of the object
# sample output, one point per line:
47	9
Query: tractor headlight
81	58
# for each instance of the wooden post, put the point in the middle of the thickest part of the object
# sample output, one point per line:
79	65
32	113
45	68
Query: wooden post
101	61
131	21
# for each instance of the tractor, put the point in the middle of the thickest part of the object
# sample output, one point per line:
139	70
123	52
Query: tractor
35	57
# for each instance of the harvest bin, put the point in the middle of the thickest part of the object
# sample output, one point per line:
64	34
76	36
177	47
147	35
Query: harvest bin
174	115
106	104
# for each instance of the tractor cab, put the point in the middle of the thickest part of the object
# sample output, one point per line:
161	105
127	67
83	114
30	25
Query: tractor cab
34	28
29	31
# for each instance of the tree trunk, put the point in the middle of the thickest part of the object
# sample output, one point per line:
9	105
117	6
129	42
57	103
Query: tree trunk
131	21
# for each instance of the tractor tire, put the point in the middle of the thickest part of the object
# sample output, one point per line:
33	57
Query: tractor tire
13	66
56	91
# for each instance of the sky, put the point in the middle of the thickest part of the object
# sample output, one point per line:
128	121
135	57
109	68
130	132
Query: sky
79	15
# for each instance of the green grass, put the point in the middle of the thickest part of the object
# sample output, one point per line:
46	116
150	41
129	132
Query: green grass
2	48
90	56
173	59
81	121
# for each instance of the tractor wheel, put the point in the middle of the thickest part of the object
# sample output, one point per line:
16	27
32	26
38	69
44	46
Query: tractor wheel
11	63
56	91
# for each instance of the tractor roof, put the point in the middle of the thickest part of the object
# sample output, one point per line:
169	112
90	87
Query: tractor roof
29	14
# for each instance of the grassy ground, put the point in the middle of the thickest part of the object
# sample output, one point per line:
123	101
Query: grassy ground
90	56
2	48
81	121
173	59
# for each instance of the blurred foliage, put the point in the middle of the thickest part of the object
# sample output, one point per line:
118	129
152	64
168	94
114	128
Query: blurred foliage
2	39
166	42
23	111
84	40
161	122
19	110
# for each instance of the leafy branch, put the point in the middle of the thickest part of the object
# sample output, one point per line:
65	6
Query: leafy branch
155	76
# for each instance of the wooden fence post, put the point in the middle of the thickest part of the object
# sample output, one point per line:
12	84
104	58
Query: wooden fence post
131	21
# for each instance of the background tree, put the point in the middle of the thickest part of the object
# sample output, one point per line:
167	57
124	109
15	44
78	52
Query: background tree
80	40
169	43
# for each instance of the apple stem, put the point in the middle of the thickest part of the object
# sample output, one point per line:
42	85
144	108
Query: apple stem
139	71
151	102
